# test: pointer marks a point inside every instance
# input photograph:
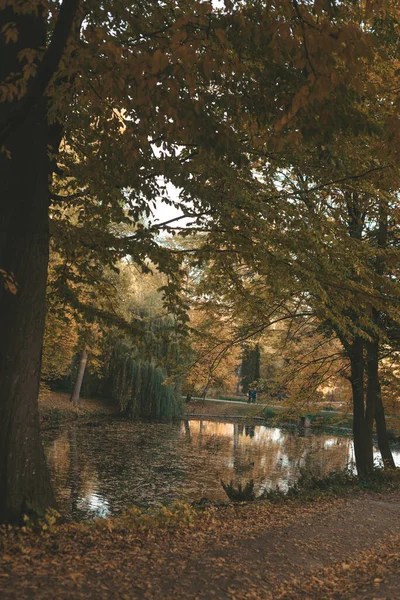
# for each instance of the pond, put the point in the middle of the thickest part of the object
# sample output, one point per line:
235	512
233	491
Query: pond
102	470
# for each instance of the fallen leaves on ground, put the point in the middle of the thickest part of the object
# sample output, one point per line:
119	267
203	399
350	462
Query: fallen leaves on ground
341	548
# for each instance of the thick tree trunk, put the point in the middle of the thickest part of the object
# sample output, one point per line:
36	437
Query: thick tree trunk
362	429
383	441
374	391
78	382
24	240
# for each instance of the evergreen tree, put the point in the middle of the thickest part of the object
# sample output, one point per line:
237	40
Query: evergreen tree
250	367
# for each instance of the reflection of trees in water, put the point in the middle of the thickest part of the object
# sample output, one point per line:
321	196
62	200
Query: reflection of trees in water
187	427
312	455
122	463
142	463
130	464
74	477
270	456
282	459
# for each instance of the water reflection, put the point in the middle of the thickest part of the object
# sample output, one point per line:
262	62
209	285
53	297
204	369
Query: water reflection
102	470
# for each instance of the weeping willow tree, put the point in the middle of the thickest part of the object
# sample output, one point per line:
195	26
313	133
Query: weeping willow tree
138	373
140	389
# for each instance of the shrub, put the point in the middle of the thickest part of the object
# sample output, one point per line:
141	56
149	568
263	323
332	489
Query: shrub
239	494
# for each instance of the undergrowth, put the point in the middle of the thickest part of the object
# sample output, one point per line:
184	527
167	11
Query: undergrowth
239	494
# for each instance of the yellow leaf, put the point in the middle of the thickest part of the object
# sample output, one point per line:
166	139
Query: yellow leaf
10	32
10	283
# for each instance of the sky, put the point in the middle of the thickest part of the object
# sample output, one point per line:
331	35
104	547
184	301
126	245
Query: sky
165	212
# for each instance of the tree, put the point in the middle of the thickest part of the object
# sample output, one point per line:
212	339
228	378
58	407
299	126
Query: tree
118	98
33	120
250	367
59	346
206	369
139	358
328	252
79	378
322	220
24	254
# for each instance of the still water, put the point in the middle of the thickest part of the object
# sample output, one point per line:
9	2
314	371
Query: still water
102	470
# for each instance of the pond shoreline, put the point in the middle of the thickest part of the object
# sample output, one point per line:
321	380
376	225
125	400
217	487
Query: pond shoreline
56	409
320	429
260	414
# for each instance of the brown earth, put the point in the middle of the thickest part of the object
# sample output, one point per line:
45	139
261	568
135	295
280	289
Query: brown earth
57	406
341	548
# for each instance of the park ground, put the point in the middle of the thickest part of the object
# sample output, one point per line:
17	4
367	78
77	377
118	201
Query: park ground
343	547
56	408
334	544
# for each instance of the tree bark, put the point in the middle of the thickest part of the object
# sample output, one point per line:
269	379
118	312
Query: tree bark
362	429
383	441
371	365
78	382
24	241
381	431
374	390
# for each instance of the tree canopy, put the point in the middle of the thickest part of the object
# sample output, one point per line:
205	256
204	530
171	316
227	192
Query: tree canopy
278	124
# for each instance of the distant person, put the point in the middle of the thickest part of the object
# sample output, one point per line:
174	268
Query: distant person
250	431
253	396
249	396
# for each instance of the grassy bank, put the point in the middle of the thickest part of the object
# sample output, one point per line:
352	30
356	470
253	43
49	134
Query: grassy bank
56	408
272	415
208	408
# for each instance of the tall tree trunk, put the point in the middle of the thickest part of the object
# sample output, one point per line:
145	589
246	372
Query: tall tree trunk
78	382
373	364
362	432
381	431
374	392
24	241
362	428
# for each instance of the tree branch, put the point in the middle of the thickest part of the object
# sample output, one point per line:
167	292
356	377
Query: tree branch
45	72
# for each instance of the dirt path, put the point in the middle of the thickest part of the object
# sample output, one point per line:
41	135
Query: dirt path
253	566
347	548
